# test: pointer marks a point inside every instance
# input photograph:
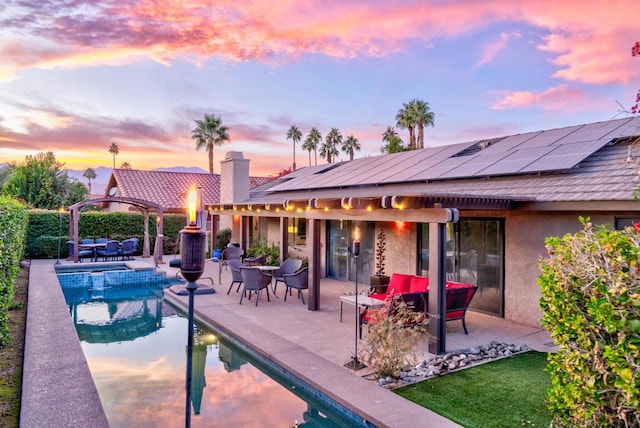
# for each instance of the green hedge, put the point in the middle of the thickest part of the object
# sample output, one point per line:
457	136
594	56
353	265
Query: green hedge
591	302
13	226
42	232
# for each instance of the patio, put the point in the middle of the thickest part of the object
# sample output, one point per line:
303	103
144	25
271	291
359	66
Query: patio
285	332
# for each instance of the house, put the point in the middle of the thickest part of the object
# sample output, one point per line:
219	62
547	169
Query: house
481	209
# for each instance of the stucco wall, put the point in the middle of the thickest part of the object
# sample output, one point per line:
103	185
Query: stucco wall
525	233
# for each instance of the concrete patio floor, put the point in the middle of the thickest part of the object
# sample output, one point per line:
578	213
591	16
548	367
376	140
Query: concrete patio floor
314	345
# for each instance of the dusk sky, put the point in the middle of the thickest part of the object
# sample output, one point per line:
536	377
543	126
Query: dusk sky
76	76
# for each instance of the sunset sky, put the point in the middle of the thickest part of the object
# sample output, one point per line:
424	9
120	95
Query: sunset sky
77	76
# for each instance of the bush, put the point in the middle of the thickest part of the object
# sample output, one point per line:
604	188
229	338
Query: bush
13	228
591	301
392	340
223	238
262	246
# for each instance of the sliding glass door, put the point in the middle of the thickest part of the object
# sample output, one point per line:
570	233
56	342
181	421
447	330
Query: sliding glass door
340	260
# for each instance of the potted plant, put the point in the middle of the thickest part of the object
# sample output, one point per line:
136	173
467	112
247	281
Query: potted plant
379	280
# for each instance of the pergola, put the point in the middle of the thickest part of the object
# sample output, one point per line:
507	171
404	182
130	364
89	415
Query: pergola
144	206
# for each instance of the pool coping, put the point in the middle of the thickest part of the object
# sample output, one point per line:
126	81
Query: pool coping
57	387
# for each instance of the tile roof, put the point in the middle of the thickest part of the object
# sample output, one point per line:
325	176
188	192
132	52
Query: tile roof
169	189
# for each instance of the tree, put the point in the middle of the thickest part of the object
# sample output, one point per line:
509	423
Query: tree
89	174
42	183
329	149
311	143
635	51
209	133
394	143
423	117
294	134
114	150
406	120
125	165
350	146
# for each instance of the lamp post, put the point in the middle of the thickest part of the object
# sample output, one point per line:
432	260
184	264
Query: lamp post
192	253
60	211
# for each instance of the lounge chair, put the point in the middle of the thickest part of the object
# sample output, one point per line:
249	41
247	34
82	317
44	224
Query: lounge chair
253	279
298	280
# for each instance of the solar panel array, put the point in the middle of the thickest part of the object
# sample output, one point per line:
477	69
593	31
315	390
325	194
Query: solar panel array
543	151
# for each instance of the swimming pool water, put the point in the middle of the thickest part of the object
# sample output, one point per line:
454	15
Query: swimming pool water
135	345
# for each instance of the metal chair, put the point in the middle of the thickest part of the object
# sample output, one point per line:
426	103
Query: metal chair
111	250
236	276
82	254
288	267
253	279
298	280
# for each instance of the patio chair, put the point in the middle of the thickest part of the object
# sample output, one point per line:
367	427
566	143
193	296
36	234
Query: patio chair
102	240
288	267
255	261
253	279
236	276
136	243
229	253
126	250
82	254
416	302
87	241
298	280
111	250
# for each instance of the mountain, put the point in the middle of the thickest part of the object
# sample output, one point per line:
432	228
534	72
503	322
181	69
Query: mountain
99	184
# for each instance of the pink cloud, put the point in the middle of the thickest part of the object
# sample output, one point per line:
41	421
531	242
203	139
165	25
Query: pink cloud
493	49
555	98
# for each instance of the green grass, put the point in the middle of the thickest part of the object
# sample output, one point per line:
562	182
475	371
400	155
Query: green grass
511	392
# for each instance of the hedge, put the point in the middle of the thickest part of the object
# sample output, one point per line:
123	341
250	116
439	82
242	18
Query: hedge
13	227
591	302
43	238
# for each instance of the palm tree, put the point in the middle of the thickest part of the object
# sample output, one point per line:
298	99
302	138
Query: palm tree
294	134
311	143
350	146
394	143
208	133
329	148
406	120
125	165
114	150
89	174
424	117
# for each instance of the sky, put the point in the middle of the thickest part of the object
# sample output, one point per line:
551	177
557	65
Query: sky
76	76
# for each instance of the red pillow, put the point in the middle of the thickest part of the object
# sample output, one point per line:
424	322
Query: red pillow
419	284
400	283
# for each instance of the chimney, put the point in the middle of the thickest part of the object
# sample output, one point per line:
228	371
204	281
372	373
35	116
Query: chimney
234	178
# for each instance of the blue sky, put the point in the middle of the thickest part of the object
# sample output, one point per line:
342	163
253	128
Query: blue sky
76	77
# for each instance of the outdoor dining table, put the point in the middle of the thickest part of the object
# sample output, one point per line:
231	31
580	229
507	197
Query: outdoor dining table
94	248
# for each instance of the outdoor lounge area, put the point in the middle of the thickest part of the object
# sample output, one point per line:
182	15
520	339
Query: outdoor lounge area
315	346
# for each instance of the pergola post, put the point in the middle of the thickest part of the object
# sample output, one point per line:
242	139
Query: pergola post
313	235
284	238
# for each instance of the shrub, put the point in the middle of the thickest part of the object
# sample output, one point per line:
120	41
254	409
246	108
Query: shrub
223	237
262	246
13	227
392	340
591	301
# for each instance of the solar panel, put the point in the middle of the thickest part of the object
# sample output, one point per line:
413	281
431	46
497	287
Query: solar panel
565	156
515	161
510	142
630	128
546	138
474	165
591	132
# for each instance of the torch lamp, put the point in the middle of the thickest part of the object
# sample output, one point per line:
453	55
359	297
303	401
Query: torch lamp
355	363
192	254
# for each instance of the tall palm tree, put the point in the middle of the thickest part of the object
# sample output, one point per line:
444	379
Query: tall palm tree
406	120
294	134
114	150
350	146
424	117
393	142
89	174
332	141
312	141
209	133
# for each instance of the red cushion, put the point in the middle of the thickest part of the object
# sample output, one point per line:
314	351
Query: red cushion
419	284
400	283
455	314
451	284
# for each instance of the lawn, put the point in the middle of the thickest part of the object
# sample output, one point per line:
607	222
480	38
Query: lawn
511	392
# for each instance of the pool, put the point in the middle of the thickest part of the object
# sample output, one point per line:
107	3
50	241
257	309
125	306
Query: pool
135	344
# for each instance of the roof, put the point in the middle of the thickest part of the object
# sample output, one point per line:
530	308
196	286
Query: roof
580	163
169	189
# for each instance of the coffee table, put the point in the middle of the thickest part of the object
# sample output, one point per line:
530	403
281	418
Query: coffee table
363	302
